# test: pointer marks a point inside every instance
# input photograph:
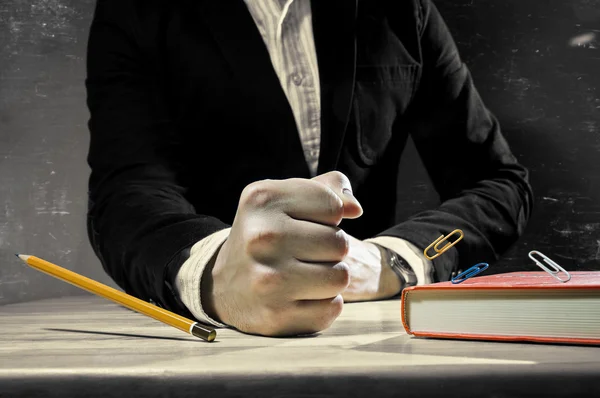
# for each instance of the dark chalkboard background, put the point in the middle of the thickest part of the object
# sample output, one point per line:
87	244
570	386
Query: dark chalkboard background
537	67
43	145
536	64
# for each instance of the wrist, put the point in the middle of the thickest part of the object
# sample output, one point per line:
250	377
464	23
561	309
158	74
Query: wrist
396	271
207	290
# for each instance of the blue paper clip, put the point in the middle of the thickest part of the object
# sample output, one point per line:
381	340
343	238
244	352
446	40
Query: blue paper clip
471	272
555	267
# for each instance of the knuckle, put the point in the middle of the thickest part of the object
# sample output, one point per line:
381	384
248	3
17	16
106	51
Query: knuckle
335	308
341	275
258	194
340	243
329	314
267	283
334	177
262	238
335	206
339	177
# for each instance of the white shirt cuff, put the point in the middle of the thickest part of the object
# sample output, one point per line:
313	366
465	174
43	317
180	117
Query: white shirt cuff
422	267
189	277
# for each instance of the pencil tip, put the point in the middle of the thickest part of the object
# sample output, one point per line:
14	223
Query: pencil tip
17	255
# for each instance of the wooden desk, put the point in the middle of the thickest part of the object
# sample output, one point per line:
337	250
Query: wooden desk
89	347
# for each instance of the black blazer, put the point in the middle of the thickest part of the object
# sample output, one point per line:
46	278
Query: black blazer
186	110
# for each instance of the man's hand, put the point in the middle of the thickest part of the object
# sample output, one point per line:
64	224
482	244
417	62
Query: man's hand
370	277
281	270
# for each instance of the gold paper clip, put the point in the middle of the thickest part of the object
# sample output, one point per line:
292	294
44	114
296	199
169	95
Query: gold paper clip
556	269
441	239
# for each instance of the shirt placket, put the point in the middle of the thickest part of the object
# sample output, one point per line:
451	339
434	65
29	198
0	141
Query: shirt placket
301	82
285	6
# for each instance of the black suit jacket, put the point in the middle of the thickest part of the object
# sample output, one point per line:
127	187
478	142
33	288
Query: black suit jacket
186	110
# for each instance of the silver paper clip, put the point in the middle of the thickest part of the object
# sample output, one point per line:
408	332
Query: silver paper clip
556	269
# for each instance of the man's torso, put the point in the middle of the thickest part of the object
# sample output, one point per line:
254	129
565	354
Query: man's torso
231	117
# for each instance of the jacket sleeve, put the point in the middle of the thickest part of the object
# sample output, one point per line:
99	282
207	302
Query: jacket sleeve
139	222
483	189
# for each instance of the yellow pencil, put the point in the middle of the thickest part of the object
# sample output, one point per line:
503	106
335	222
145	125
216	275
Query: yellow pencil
168	317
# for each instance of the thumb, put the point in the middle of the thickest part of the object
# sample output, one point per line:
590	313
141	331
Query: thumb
340	184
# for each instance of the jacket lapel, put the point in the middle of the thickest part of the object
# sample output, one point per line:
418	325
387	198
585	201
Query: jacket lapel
334	25
233	28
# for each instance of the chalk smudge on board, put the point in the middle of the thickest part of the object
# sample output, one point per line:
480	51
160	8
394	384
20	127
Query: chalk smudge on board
30	21
54	17
564	232
514	82
585	40
56	205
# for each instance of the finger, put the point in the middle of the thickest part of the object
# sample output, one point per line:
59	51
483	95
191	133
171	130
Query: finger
308	317
299	198
340	184
311	242
318	315
314	281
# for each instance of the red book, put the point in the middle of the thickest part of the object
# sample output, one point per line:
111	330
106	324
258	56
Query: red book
516	306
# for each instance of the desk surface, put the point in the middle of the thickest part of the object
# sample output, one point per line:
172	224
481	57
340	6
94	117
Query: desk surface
87	346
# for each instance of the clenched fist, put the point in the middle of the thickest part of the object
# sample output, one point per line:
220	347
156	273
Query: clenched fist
281	270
